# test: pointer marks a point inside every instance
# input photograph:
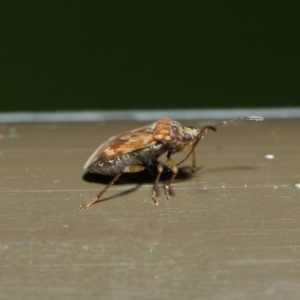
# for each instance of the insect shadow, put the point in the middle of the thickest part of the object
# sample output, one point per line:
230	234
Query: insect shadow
146	176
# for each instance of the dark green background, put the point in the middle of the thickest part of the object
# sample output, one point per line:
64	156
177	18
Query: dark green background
70	55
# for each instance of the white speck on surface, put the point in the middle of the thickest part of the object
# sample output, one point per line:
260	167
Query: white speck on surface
13	133
297	185
269	156
275	187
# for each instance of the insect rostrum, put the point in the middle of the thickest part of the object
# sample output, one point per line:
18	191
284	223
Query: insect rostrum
132	151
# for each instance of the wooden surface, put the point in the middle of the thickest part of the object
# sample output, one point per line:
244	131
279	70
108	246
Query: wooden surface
229	231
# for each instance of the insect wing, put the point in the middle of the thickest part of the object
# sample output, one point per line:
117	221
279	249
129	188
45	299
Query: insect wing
123	143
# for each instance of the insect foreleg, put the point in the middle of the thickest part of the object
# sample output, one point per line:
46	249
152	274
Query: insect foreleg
172	165
160	169
192	151
128	169
199	137
194	164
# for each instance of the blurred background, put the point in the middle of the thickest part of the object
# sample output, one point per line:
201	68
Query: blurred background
98	55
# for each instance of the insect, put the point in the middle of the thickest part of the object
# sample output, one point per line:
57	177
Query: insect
134	150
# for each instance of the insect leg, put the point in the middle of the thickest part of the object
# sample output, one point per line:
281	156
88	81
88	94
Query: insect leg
194	164
172	165
201	133
160	169
128	169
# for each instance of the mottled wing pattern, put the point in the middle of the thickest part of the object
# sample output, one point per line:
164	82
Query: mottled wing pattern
126	143
123	143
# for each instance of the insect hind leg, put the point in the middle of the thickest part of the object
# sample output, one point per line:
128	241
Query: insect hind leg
128	169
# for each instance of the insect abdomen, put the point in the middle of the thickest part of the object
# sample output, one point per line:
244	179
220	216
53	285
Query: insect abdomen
115	165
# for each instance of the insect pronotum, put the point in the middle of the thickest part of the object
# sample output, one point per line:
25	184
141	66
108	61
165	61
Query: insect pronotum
134	150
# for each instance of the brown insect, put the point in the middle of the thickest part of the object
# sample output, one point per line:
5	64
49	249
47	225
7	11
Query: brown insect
134	150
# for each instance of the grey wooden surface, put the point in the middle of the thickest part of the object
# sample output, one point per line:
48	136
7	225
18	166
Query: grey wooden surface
229	231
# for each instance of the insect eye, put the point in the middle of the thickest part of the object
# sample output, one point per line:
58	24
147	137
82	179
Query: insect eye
187	137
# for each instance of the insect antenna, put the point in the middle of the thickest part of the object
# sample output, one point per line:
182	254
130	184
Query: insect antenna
249	118
213	128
